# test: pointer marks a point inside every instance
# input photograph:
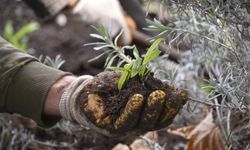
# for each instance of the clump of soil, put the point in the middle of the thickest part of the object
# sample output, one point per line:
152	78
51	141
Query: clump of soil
105	85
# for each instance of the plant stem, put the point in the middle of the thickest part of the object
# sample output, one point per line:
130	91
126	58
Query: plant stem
121	53
211	104
210	39
205	37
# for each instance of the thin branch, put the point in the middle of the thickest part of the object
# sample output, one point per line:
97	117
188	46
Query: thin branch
211	104
205	37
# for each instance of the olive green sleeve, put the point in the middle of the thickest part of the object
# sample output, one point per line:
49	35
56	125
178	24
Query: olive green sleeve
24	83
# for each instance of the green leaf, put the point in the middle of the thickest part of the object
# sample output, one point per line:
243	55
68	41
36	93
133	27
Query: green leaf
151	56
122	79
155	44
136	53
134	71
19	39
125	75
208	89
8	31
143	69
129	66
136	67
152	51
26	29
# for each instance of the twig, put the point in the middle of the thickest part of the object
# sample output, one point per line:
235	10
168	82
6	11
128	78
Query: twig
212	105
205	37
210	39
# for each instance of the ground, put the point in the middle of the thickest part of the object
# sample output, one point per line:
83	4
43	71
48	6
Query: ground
69	45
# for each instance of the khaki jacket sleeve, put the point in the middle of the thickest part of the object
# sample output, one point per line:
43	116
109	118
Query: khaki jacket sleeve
24	83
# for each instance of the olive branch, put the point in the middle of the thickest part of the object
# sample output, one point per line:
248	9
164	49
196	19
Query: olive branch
130	66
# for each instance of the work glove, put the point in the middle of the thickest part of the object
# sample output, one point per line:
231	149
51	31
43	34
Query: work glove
140	106
106	12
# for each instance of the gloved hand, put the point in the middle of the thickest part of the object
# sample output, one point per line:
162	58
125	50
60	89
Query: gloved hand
107	12
139	107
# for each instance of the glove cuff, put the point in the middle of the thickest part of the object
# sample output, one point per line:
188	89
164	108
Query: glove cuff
69	105
70	95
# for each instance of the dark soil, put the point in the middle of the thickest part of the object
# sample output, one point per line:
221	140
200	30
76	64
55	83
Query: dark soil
105	85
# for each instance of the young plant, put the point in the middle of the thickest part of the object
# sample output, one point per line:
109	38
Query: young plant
138	66
19	38
131	66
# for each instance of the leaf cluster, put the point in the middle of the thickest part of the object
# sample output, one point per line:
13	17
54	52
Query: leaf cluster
19	37
139	66
56	62
131	66
109	47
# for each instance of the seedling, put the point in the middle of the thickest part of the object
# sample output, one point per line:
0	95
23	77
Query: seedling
19	38
131	66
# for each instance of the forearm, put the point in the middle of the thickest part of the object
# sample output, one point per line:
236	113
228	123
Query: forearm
24	83
11	60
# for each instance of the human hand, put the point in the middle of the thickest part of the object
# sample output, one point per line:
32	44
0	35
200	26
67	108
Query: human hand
139	107
51	104
106	12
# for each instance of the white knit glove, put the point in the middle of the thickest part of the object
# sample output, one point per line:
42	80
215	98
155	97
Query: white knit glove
69	104
106	12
